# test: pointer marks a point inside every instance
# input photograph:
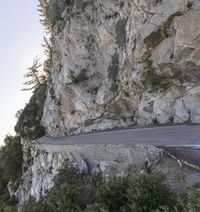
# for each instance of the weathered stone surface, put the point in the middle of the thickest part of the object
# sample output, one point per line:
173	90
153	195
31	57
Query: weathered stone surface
100	52
110	160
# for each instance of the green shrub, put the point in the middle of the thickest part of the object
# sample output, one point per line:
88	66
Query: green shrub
146	193
10	209
29	121
8	205
11	160
194	198
152	81
75	191
113	194
95	207
72	191
33	206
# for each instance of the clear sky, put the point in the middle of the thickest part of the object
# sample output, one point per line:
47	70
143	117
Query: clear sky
21	36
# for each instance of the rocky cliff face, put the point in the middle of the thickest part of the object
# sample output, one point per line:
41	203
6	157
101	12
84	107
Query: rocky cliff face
118	63
109	160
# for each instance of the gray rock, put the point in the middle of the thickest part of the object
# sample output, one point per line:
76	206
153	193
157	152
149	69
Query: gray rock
109	160
84	167
99	53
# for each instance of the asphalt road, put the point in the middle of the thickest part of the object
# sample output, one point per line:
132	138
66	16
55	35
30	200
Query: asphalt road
183	135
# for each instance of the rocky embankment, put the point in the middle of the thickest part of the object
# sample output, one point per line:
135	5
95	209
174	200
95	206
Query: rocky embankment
109	160
186	155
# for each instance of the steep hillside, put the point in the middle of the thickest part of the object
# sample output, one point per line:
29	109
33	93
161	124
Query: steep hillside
118	63
110	63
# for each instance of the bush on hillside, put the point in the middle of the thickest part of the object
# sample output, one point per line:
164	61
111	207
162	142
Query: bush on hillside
72	190
153	81
29	121
11	159
31	205
113	195
147	193
77	191
194	198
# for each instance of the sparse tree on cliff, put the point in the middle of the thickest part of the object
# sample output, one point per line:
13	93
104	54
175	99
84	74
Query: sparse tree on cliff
47	46
43	12
35	76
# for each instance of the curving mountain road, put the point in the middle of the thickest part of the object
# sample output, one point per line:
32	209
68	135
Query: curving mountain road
183	135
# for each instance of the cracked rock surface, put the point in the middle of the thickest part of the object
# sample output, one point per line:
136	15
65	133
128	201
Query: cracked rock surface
109	160
119	63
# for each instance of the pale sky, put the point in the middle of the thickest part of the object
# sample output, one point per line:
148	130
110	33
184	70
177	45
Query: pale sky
21	35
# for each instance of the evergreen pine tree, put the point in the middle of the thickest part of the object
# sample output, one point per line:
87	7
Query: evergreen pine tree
43	12
35	76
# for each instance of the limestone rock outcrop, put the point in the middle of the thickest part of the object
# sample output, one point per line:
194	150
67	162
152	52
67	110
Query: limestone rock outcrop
119	63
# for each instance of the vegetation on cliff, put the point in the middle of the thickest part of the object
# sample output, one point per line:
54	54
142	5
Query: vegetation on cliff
29	121
74	190
152	81
11	159
28	124
77	191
